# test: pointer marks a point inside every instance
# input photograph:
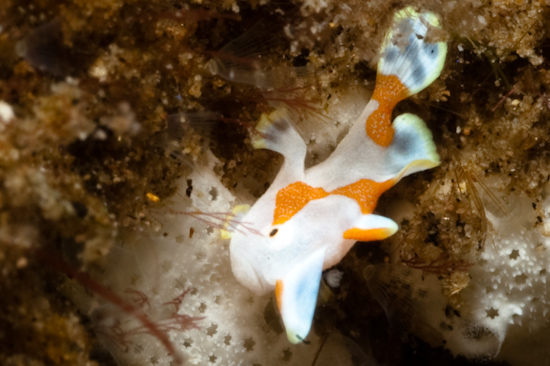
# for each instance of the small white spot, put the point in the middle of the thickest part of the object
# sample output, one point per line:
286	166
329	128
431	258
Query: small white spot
334	277
99	71
6	112
288	31
482	20
100	134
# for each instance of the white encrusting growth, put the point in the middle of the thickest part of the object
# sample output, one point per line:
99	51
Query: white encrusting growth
509	294
180	252
503	312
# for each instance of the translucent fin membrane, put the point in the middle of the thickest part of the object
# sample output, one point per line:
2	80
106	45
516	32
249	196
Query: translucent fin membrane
259	40
392	292
408	53
245	60
203	121
340	350
403	293
257	75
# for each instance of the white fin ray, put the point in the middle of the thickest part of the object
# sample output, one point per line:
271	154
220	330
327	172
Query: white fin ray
201	121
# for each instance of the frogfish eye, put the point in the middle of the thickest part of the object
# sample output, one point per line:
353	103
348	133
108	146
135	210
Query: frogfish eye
273	232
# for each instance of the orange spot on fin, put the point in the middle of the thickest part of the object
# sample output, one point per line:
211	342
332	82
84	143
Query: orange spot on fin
366	192
388	92
279	294
367	235
292	199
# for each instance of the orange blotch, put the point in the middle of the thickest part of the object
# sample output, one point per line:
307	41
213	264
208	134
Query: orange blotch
388	92
379	127
279	294
367	235
365	192
389	89
292	199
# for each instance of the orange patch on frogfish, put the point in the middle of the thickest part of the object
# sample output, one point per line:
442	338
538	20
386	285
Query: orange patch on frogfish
388	92
367	235
292	199
279	294
365	192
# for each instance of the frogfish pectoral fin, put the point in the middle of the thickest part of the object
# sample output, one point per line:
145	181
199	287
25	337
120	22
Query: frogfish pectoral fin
277	133
297	293
371	227
412	149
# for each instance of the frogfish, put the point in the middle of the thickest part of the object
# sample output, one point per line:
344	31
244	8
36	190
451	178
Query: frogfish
308	219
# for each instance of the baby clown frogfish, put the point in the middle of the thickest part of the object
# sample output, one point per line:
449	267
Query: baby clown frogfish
309	219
